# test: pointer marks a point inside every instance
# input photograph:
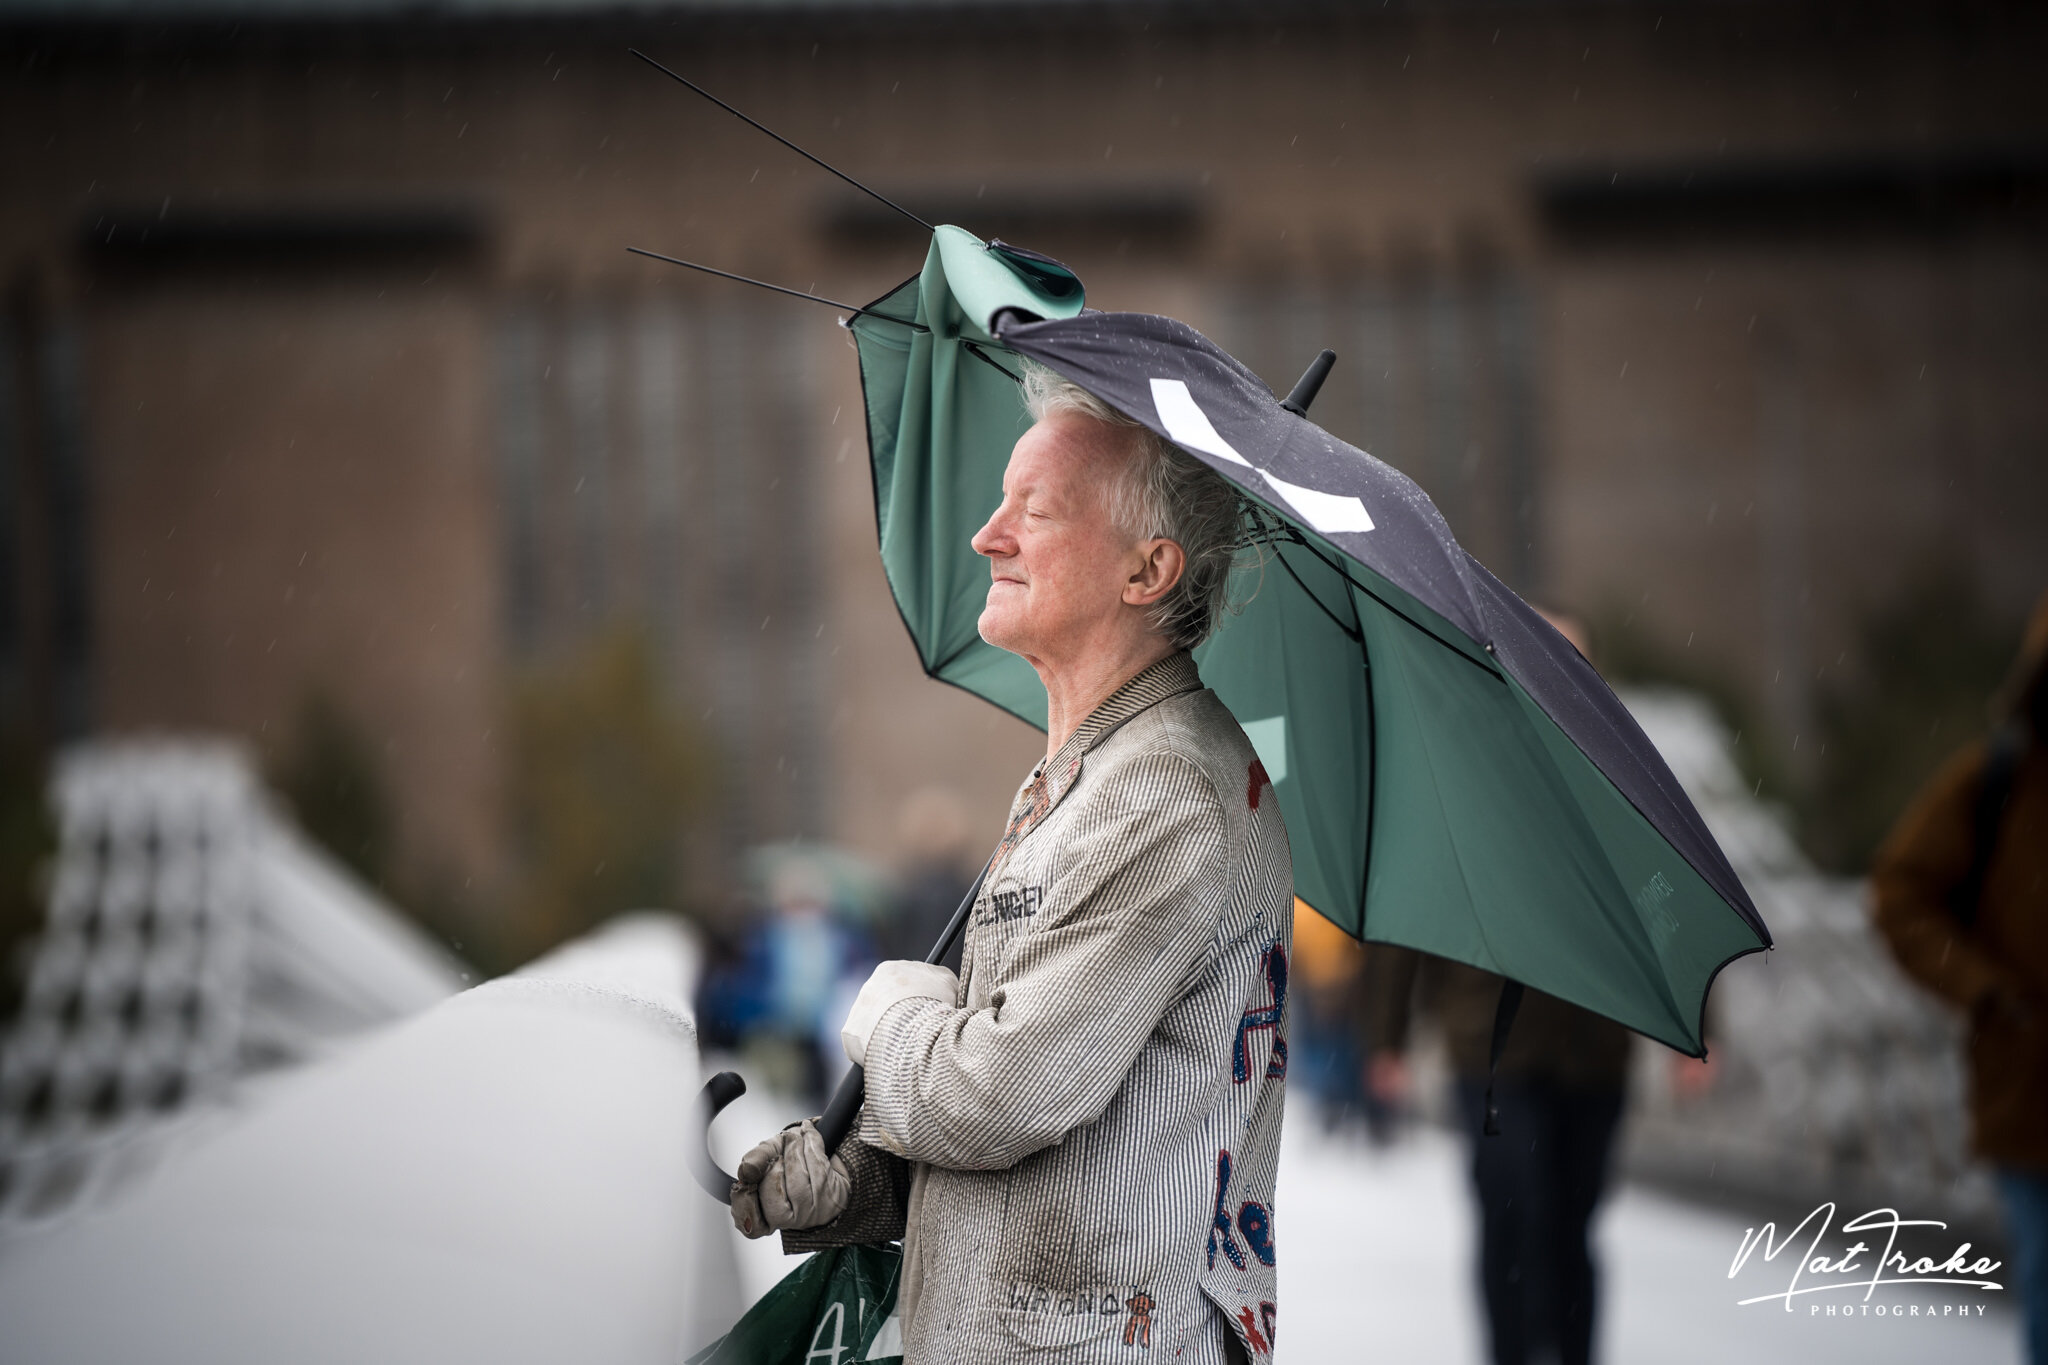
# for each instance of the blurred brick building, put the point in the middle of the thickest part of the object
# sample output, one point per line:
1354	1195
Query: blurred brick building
328	371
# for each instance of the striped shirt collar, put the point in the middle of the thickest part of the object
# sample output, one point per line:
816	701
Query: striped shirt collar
1169	677
1053	777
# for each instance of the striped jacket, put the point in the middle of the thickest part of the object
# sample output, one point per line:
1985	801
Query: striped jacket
1080	1154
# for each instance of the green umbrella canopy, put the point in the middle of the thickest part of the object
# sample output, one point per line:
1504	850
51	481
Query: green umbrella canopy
1455	779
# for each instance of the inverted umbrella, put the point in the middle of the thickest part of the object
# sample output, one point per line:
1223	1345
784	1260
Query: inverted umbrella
1454	776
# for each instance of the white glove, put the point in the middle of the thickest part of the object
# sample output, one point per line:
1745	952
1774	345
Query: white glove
786	1182
891	984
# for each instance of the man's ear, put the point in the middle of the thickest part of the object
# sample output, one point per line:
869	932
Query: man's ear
1163	563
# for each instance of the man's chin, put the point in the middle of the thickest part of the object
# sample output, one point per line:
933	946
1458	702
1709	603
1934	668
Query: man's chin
996	631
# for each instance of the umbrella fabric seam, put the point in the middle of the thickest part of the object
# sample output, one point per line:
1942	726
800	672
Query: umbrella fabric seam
1661	978
875	491
1351	632
1372	767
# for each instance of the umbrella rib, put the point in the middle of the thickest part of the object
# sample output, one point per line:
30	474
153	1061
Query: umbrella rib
1350	632
852	308
986	359
761	127
1340	571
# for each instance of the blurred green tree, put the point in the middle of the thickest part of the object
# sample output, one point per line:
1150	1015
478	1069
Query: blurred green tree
1915	688
1926	663
605	778
330	776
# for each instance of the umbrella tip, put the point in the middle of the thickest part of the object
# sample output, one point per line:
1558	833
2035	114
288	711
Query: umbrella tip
1310	384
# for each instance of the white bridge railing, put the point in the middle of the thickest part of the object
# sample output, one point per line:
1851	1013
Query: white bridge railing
501	1178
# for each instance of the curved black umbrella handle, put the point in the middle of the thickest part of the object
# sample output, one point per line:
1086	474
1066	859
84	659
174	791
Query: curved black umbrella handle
719	1091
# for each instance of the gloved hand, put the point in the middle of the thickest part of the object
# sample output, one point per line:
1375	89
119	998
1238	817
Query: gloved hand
891	984
786	1181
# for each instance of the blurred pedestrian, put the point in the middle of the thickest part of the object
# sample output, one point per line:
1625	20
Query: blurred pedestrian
938	867
778	993
1559	1092
1960	892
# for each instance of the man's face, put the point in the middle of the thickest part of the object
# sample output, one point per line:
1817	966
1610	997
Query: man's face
1060	567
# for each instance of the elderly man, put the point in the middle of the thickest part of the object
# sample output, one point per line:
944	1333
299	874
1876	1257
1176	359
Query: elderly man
1076	1139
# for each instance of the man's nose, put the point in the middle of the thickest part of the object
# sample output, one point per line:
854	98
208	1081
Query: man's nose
990	540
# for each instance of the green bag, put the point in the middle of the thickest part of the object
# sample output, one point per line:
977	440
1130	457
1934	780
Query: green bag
837	1308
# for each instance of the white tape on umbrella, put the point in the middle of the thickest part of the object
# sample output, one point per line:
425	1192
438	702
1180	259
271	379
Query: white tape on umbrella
1327	512
1188	424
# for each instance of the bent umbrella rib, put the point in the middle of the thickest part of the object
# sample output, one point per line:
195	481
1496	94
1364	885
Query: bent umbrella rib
762	127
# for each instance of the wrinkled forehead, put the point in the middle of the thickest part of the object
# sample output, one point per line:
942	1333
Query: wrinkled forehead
1067	454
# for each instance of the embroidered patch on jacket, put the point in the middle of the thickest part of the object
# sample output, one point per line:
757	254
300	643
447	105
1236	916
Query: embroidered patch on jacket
1251	1332
1254	1222
1138	1330
1011	903
1263	1017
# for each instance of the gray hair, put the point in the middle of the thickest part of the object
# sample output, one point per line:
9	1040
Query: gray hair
1160	491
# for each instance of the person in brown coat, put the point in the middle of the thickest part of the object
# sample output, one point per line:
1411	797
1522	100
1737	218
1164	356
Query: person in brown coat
1960	892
